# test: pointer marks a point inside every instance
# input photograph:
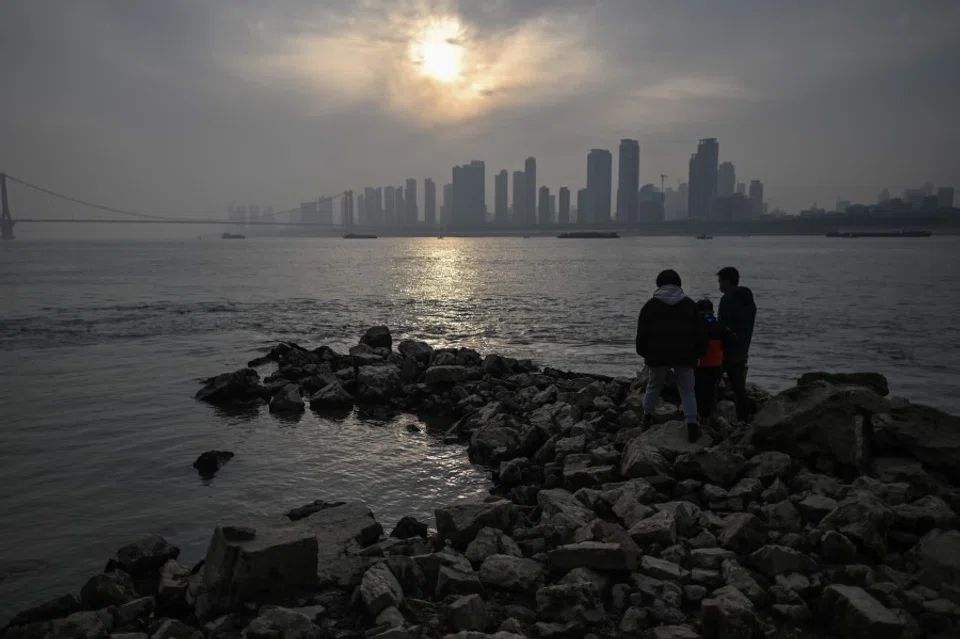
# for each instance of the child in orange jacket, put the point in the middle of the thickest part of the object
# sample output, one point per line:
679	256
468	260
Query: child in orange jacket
710	369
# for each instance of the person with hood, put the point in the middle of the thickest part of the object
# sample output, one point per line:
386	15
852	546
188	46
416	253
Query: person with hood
737	314
671	337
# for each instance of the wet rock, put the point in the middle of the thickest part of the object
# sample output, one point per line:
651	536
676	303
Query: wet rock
287	400
511	573
496	366
57	608
594	555
380	589
729	614
469	613
872	381
863	518
743	533
113	588
936	558
378	383
409	527
445	375
333	396
421	352
239	387
490	541
849	612
208	463
460	523
378	337
144	557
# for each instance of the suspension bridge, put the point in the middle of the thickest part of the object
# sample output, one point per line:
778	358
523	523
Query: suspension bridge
283	218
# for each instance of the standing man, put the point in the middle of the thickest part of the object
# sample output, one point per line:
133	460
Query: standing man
737	315
671	336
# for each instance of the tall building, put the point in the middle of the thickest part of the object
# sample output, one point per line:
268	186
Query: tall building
583	206
945	197
447	209
599	185
399	206
726	179
553	208
756	198
469	195
500	201
543	207
346	209
389	206
530	182
741	188
309	212
563	210
703	178
412	215
883	197
519	197
362	219
429	202
325	210
373	204
628	181
650	204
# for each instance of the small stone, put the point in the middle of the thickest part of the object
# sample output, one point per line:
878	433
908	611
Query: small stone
511	573
729	614
743	533
815	507
850	612
469	613
710	558
660	569
660	528
772	560
595	555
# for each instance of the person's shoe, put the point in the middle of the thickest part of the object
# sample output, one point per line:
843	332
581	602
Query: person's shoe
693	432
647	422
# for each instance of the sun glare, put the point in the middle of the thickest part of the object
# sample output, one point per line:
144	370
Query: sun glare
437	50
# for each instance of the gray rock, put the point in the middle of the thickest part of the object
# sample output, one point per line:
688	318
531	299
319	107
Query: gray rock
144	557
686	514
333	396
377	337
511	573
642	460
497	441
378	383
456	578
390	617
927	434
772	560
835	548
136	612
849	612
240	387
873	381
209	462
287	400
863	518
768	465
710	558
565	603
936	558
674	632
715	465
460	523
281	623
594	555
445	375
671	439
813	508
557	501
742	533
729	614
660	569
633	621
380	589
511	473
783	516
923	515
737	576
113	588
748	488
176	629
419	351
469	613
660	528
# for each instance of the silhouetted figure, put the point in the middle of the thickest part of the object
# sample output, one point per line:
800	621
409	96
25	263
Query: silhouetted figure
710	369
737	315
670	336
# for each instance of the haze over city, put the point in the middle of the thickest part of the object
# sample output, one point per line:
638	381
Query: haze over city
180	107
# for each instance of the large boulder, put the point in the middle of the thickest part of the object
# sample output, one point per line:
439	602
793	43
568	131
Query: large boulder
849	612
873	381
460	523
820	419
929	435
670	439
380	589
742	533
208	463
714	465
378	383
113	588
729	614
446	375
144	557
421	352
377	337
333	396
496	441
239	387
281	623
640	459
287	400
936	558
273	558
594	555
557	501
864	518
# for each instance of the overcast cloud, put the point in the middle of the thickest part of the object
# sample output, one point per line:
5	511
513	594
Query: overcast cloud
179	107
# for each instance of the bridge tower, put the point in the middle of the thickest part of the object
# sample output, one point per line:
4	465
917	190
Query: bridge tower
6	222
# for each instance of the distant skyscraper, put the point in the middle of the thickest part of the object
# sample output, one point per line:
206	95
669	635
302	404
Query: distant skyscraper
726	179
469	195
703	178
412	215
399	206
563	210
756	198
553	208
945	197
389	206
628	181
309	213
519	197
325	210
447	207
583	206
500	200
375	205
599	185
543	207
429	202
346	209
883	197
362	219
530	182
741	188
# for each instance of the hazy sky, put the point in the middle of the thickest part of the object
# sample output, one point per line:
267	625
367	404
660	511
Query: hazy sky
180	106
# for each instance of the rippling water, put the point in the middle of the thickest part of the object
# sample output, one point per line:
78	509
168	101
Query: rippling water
101	345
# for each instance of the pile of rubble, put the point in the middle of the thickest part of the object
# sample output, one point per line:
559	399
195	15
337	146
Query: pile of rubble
833	514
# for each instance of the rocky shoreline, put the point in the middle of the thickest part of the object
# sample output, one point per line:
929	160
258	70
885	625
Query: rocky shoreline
835	513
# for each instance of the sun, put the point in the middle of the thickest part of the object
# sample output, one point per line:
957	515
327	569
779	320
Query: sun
437	50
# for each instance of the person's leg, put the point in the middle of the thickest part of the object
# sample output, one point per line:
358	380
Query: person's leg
707	380
652	397
736	373
688	398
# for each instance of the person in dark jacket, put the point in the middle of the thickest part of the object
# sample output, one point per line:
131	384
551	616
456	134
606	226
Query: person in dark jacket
671	337
710	369
737	315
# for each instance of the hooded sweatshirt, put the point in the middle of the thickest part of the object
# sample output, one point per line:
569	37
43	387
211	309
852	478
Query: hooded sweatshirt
669	330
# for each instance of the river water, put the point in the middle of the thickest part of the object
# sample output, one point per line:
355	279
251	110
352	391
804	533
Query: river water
101	344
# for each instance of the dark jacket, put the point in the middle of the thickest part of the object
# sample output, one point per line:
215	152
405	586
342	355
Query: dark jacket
670	331
737	315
